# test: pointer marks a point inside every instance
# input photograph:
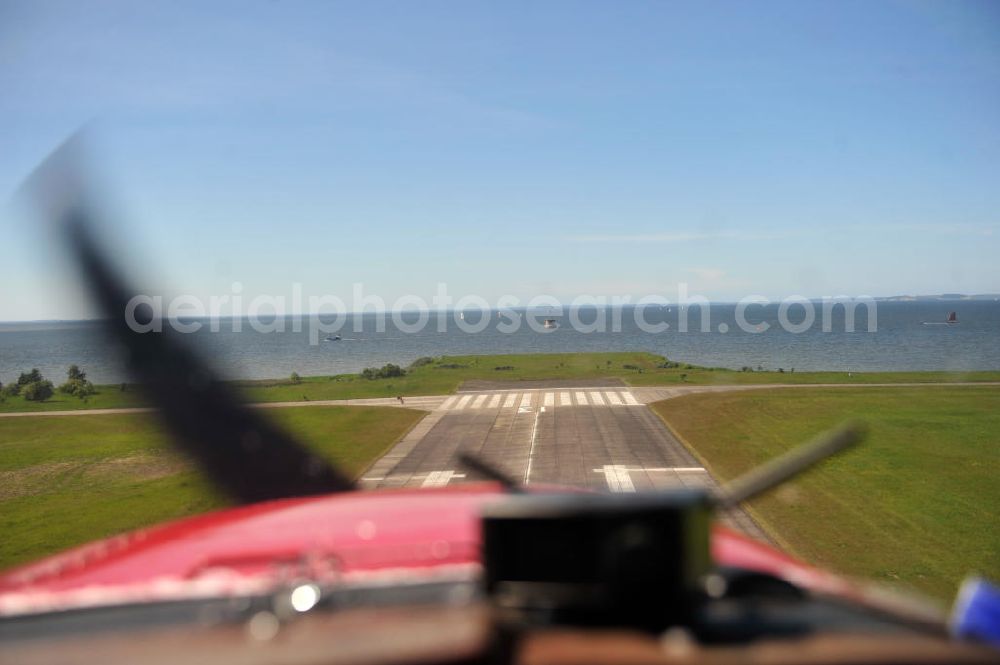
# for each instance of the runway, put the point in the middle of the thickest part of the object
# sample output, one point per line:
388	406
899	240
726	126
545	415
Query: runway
599	438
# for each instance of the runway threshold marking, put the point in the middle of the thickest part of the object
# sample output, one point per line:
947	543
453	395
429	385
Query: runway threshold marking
630	399
448	402
510	401
494	402
564	399
581	398
440	478
462	401
549	399
617	477
596	399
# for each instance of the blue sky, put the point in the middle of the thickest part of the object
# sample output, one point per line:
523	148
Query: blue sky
516	148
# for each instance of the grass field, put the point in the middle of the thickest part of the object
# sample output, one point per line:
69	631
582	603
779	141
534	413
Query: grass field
918	504
64	481
445	374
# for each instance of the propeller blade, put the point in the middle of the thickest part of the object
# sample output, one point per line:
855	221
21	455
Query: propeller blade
241	452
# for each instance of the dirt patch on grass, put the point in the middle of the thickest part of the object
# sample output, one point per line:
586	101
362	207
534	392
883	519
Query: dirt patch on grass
54	476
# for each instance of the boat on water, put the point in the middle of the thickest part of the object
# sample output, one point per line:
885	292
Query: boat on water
333	338
550	323
950	321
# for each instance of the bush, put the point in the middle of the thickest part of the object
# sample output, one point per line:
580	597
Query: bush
627	366
78	388
503	368
77	384
11	390
387	371
39	391
295	378
420	362
449	366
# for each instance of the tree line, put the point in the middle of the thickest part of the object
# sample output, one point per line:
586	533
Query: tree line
34	387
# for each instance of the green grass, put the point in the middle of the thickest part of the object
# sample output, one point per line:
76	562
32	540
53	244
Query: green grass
446	373
917	504
65	481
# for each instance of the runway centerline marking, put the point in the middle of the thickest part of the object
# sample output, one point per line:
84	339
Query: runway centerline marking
531	449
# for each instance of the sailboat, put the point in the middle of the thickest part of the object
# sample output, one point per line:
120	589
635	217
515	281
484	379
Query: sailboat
950	321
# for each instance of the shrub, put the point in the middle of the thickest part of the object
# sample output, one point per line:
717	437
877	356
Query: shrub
77	384
11	390
503	368
628	366
387	371
449	366
295	378
684	377
39	391
78	388
420	362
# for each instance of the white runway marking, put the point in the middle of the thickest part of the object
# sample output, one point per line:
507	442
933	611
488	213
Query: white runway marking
596	399
448	402
463	400
478	402
440	478
617	477
613	398
531	450
494	402
510	400
550	399
629	399
680	469
526	399
581	398
564	400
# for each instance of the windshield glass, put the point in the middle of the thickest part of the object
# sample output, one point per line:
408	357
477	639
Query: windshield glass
567	238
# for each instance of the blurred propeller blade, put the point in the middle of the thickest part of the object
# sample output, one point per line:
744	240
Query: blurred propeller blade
774	472
242	452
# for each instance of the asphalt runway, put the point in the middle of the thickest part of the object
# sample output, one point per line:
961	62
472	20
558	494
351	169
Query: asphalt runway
602	438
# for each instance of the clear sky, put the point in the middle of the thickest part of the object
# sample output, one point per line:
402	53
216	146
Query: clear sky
813	148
